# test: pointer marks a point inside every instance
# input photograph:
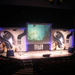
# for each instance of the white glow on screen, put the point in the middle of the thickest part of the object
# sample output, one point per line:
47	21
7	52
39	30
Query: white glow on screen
38	33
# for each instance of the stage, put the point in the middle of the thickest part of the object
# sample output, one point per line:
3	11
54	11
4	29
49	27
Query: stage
39	54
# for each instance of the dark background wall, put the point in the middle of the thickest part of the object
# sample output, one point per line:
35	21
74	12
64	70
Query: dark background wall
62	4
12	15
16	13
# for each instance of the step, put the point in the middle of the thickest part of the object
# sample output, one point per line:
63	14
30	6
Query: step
25	71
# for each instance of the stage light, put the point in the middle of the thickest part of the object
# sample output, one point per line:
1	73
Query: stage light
63	1
51	2
46	0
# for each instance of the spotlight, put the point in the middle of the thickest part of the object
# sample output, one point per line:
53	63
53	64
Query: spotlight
51	2
46	0
63	1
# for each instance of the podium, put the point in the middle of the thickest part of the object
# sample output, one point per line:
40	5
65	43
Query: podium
10	53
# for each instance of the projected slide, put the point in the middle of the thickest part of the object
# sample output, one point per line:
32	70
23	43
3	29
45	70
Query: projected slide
12	38
39	32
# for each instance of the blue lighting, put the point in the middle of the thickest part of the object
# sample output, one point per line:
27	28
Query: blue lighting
71	29
23	28
1	28
72	38
26	44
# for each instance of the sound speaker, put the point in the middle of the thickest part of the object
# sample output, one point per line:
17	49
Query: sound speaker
10	53
71	50
46	55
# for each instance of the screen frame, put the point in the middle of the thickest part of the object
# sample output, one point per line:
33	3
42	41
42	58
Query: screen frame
39	42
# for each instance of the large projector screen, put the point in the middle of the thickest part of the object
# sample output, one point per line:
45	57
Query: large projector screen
38	33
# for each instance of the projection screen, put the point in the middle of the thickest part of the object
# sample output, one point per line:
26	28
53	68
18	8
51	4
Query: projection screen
39	33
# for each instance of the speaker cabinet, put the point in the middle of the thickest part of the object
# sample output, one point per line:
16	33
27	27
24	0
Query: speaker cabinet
10	53
71	50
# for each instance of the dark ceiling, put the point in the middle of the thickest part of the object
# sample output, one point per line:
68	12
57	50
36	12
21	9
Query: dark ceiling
16	13
62	4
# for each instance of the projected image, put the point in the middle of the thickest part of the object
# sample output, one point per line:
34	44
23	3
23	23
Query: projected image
12	39
62	39
39	32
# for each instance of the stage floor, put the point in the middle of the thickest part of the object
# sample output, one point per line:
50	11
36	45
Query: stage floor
38	54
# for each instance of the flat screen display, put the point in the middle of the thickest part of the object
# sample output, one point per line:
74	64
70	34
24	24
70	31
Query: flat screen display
38	33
